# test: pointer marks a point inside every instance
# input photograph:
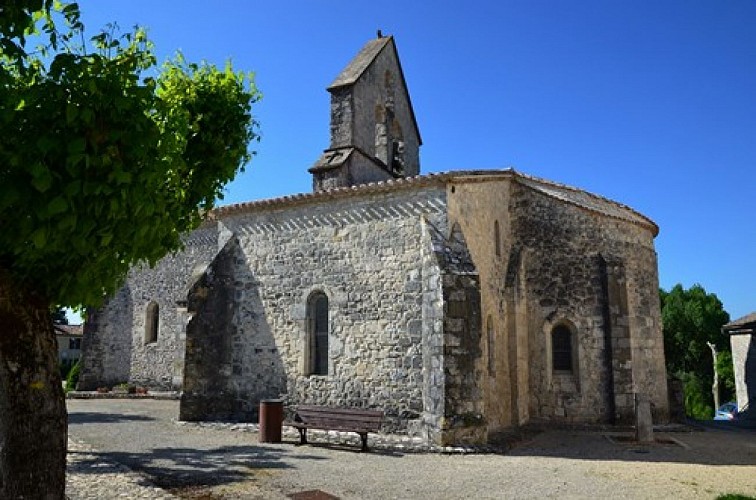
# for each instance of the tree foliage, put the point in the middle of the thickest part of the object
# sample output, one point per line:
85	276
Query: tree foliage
19	19
690	319
726	371
106	158
58	315
699	402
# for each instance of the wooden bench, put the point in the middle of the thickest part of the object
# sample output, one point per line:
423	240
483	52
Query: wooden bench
337	419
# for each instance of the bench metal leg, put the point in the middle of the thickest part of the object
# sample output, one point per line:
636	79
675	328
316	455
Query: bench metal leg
302	435
363	435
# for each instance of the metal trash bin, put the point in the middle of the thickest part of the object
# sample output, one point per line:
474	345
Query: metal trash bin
271	420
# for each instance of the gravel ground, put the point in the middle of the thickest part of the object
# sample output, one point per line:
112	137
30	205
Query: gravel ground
90	476
138	443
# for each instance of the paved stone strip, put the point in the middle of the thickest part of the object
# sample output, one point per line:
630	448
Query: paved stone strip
90	478
395	442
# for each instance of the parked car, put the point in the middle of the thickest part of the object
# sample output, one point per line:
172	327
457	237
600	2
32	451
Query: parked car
728	411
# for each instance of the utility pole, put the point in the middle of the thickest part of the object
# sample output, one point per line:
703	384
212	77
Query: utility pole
715	385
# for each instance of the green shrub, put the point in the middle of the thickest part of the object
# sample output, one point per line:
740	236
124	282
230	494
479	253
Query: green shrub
726	376
73	377
698	398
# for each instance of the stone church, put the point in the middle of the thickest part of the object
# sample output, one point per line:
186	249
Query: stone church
462	304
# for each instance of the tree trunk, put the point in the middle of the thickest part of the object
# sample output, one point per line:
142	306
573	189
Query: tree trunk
715	383
33	420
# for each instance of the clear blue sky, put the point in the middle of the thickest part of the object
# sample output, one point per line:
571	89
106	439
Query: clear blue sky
649	103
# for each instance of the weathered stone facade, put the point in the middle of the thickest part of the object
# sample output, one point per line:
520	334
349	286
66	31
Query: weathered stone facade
117	350
462	304
374	134
363	256
742	334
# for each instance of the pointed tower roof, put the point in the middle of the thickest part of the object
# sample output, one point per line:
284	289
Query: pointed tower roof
362	61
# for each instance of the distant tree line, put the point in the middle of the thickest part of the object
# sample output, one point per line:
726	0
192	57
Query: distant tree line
691	320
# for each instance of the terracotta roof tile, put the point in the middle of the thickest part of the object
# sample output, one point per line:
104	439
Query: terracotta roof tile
75	330
571	195
747	320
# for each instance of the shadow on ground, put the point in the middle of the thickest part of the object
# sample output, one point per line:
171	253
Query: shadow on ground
742	424
104	418
189	467
170	459
350	447
710	445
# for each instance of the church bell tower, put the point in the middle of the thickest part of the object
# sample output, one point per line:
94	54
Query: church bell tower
374	134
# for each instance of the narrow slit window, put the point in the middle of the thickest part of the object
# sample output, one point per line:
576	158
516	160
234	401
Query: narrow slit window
497	239
151	323
561	348
318	334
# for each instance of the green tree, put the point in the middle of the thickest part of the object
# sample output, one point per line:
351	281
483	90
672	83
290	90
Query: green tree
726	373
690	319
58	314
105	160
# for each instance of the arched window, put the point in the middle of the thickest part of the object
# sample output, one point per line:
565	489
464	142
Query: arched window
151	323
317	321
491	348
497	239
561	348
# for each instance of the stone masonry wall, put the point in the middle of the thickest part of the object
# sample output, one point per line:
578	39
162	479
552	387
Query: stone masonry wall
118	350
370	92
645	323
330	179
411	274
160	364
210	341
463	412
563	247
479	207
744	363
106	346
364	254
452	341
618	387
358	169
363	170
342	115
434	379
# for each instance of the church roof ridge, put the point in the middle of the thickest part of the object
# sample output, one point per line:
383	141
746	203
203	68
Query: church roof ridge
340	192
589	201
563	192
